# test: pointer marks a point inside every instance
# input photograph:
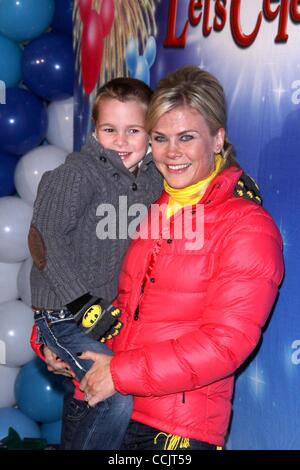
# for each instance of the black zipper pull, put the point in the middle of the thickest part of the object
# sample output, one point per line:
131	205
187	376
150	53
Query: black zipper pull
136	313
183	397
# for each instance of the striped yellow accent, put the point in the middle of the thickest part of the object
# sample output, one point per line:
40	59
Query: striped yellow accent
173	442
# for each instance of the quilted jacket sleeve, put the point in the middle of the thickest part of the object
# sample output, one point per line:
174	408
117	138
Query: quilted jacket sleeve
239	301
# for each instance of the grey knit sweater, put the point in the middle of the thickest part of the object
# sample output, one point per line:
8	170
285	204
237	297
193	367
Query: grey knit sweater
74	260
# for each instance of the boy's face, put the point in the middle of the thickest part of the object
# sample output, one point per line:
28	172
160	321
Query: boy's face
120	127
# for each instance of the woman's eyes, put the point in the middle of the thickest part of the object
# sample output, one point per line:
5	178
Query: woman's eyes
182	138
159	138
186	137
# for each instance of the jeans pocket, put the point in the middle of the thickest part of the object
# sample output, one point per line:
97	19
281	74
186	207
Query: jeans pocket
76	410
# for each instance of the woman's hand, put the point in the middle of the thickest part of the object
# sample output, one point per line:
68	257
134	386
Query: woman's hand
97	384
56	365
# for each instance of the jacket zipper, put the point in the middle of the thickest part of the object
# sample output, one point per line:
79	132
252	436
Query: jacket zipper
137	310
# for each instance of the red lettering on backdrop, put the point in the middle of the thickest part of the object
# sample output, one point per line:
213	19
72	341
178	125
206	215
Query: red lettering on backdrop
242	39
200	9
171	39
220	18
195	5
295	13
206	28
283	12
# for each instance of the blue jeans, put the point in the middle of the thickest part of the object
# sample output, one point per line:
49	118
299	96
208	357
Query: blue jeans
139	436
84	428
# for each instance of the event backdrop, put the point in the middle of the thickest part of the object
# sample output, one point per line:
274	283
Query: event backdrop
252	46
36	134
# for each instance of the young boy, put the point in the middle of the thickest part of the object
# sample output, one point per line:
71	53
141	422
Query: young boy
75	274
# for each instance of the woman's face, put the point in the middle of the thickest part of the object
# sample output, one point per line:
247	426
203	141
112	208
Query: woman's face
183	148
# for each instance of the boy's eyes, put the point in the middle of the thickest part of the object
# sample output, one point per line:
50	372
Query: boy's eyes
110	130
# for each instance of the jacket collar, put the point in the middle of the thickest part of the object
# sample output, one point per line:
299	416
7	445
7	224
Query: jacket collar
219	190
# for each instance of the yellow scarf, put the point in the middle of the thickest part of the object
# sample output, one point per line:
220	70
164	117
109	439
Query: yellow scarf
191	194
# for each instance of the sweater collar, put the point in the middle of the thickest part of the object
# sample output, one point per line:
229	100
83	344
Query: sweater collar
92	146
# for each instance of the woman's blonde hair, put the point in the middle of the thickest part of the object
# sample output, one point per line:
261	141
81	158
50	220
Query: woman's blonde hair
201	91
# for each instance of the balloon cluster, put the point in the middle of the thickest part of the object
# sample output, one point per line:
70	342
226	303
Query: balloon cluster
36	133
139	65
96	26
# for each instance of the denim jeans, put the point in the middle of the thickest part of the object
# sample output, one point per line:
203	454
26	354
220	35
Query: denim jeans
84	427
142	437
99	428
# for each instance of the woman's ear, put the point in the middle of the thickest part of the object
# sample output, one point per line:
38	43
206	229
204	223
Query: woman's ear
219	140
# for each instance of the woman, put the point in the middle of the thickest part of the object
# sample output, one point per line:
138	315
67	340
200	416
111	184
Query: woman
192	312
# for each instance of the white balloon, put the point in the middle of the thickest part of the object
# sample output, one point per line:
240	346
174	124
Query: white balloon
8	281
60	124
16	321
7	384
23	282
15	218
32	165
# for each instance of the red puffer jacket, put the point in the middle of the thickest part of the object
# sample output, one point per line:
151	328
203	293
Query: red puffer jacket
191	317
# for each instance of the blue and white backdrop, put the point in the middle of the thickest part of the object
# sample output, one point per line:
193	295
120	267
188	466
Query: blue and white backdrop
252	46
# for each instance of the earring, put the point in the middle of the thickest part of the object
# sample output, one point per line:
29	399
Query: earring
220	151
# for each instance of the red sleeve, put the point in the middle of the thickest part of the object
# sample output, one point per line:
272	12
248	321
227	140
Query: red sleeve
35	345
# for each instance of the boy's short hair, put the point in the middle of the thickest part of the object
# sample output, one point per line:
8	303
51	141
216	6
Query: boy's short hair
122	89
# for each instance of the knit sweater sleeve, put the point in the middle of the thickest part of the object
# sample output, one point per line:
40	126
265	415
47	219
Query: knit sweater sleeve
63	196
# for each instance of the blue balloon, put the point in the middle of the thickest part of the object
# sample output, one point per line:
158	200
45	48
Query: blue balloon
10	62
150	51
39	393
52	432
23	122
7	170
13	418
25	19
48	66
62	20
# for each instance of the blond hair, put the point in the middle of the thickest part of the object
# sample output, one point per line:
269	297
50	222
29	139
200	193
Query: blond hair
201	91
